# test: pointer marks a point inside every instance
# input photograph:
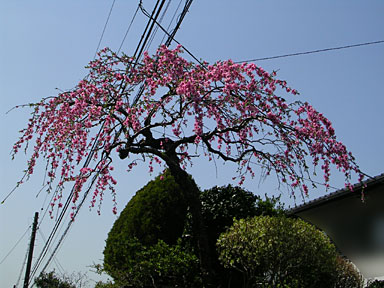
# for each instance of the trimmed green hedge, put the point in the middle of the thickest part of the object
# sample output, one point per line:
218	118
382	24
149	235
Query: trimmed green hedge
156	212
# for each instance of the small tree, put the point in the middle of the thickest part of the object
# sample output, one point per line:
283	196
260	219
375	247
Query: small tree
236	112
278	251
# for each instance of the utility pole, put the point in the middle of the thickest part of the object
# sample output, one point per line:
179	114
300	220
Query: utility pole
30	253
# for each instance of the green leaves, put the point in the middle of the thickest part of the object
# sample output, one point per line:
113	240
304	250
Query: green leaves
278	251
144	248
159	265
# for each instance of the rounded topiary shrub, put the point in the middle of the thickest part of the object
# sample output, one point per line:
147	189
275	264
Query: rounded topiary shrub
347	274
156	212
279	252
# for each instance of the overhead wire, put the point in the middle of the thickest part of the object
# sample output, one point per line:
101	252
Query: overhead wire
46	209
63	211
58	265
145	12
169	40
146	48
14	246
181	18
129	28
105	26
65	207
70	223
144	37
139	51
22	267
312	51
60	218
170	22
152	21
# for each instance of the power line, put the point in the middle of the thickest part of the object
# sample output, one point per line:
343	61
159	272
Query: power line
22	267
170	36
173	17
64	209
173	39
70	223
61	216
144	36
66	205
181	18
146	48
14	246
153	20
312	52
58	265
129	27
145	31
105	26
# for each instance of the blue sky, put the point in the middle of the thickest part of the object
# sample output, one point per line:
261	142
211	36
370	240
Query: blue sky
46	44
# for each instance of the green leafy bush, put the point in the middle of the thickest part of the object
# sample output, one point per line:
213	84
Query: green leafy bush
142	247
376	284
52	280
159	265
108	284
157	211
220	205
278	252
347	276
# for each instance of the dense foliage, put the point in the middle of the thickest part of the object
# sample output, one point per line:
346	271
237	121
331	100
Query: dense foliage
52	280
376	284
157	211
159	265
220	205
156	260
278	251
347	275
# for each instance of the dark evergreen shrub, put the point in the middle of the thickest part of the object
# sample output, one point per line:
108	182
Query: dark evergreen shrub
156	213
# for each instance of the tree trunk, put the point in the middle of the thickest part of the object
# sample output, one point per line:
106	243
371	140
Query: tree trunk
185	181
